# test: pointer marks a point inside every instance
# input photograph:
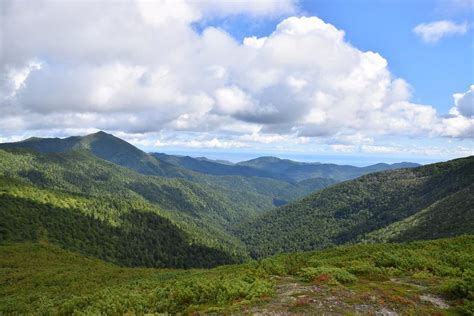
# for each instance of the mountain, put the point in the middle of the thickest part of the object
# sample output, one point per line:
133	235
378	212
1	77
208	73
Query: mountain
120	198
248	192
216	168
298	171
422	197
105	146
54	195
223	162
271	164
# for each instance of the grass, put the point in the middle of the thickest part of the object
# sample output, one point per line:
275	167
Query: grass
44	279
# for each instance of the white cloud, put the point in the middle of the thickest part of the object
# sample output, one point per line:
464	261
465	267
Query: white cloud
460	121
434	31
140	67
254	42
464	103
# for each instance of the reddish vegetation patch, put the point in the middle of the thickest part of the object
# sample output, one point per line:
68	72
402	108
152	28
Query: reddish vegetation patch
322	278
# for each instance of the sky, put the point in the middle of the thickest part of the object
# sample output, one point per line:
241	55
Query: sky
325	80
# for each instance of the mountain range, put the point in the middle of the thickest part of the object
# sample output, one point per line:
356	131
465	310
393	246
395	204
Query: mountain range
101	197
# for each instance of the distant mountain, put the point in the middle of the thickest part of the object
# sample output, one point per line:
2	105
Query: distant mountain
298	171
224	162
208	166
272	164
427	202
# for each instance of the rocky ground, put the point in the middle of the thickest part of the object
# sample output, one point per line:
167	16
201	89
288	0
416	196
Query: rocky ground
366	297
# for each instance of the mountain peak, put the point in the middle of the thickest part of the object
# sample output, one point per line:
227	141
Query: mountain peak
100	134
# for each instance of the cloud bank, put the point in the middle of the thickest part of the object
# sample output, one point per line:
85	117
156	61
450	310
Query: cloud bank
139	67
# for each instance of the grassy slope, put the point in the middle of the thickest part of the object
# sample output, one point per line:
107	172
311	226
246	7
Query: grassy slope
39	278
348	211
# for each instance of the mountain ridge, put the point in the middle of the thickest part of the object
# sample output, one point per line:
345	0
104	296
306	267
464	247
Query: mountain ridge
345	212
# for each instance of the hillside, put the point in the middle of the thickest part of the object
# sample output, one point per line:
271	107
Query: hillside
451	216
419	278
77	183
348	211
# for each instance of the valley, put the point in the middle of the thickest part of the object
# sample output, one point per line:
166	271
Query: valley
98	200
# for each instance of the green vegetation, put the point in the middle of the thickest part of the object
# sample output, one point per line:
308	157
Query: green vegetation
436	195
39	278
451	216
247	192
117	197
127	232
99	196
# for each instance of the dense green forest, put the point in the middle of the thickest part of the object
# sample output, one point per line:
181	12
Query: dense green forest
347	212
226	217
43	279
127	232
80	182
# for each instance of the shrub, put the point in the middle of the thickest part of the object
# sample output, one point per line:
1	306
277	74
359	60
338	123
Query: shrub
341	275
423	275
454	288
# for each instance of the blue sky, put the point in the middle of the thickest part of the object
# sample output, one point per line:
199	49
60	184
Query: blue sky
338	80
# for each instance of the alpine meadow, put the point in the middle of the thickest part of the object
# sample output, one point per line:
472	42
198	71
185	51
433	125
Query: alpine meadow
237	157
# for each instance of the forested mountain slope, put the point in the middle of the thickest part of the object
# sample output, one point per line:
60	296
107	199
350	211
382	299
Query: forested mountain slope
451	216
113	195
251	194
348	211
105	146
123	231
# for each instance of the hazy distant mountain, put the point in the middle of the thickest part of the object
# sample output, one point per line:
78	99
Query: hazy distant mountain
298	171
224	162
208	166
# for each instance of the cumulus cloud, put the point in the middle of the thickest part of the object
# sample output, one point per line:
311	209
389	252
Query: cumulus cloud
464	103
434	31
460	120
140	67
